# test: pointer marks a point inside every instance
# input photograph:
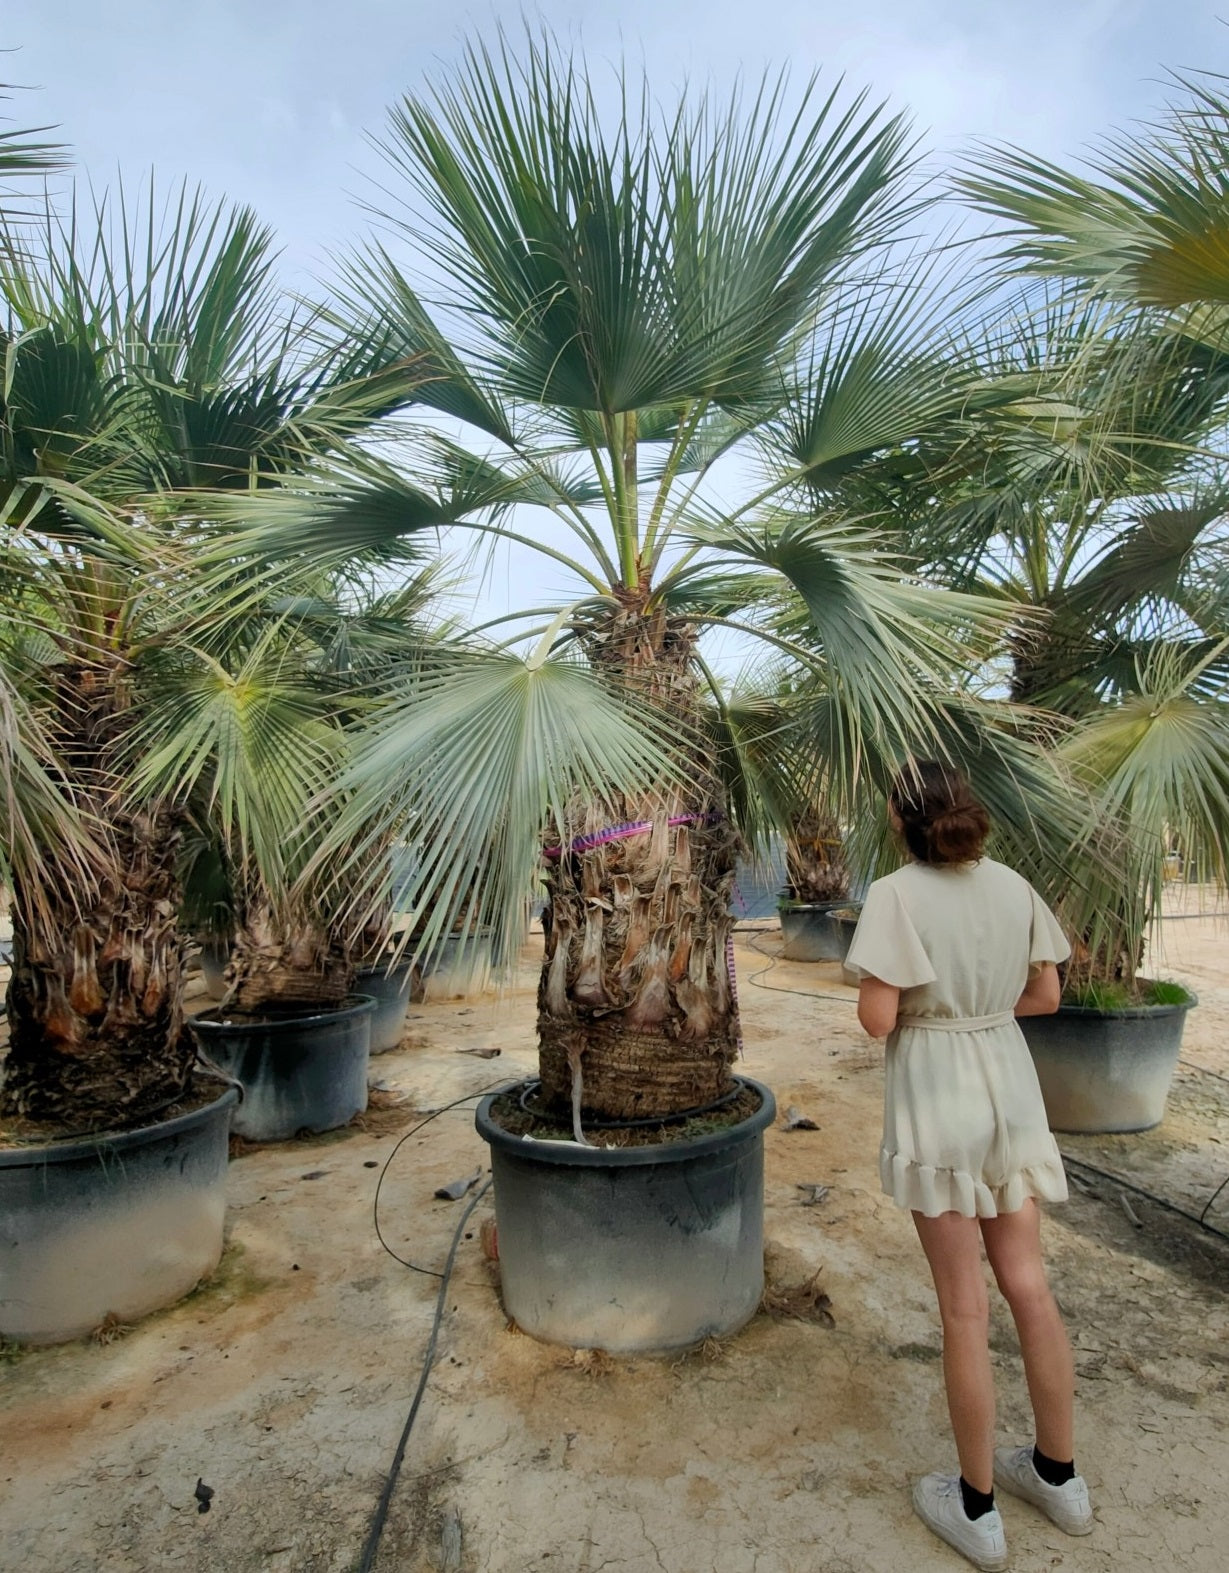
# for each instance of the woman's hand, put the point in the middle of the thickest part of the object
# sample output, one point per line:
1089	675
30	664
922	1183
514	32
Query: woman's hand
878	1006
1042	992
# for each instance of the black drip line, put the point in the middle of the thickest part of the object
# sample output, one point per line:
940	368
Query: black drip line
648	1122
427	1272
376	1529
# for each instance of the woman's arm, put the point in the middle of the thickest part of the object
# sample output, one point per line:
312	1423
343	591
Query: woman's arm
878	1006
1042	992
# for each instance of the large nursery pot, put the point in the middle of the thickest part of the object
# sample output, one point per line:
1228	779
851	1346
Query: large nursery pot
1106	1070
390	989
110	1226
631	1249
298	1073
455	969
817	930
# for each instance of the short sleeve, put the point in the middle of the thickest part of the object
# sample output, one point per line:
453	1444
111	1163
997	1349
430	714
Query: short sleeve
886	944
1047	942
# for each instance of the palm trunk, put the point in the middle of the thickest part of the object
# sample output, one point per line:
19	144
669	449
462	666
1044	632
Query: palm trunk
273	970
95	1001
815	860
637	1015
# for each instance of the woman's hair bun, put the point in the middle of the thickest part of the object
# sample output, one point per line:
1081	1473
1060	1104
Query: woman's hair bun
941	820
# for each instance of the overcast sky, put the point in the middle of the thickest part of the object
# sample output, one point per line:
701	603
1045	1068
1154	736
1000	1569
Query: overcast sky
269	101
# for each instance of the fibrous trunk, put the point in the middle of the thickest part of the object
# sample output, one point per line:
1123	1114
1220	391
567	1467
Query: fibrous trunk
273	969
637	1013
95	999
815	860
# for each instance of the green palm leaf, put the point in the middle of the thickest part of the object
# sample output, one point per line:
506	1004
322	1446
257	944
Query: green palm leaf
468	761
1153	230
647	267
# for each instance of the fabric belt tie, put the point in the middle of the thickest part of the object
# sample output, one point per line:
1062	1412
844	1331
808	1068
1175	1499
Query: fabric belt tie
957	1023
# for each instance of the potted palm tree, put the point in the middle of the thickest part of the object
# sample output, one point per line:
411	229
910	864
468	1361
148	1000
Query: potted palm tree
127	382
631	310
267	737
817	915
1115	547
95	1054
1156	763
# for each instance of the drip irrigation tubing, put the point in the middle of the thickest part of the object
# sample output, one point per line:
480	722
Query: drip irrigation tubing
372	1544
427	1272
649	1122
1159	1201
780	988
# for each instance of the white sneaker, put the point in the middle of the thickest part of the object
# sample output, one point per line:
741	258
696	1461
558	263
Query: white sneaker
1067	1505
937	1502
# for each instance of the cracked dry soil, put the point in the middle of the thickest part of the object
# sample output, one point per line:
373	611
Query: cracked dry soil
284	1383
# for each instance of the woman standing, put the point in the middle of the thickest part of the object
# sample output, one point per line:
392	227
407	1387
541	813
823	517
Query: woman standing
950	949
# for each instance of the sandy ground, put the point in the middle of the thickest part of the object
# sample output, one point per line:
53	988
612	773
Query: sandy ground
285	1383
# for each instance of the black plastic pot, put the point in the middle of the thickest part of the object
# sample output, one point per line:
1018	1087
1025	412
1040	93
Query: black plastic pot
631	1249
817	930
391	992
298	1073
1106	1070
112	1225
453	969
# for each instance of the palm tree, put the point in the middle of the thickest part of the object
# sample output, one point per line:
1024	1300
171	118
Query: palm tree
1136	647
146	358
634	323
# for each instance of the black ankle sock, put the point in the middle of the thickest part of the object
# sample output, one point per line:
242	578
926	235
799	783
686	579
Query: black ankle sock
1050	1470
976	1503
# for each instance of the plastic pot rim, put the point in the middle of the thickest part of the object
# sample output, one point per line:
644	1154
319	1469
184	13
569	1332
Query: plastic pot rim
355	1005
569	1154
114	1141
398	967
789	904
1124	1012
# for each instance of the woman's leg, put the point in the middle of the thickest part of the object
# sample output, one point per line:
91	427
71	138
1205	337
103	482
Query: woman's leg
1013	1244
953	1248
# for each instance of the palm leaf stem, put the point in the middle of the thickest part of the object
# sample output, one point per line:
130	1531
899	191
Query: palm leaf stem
687	429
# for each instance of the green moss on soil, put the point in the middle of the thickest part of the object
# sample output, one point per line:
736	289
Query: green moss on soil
1098	995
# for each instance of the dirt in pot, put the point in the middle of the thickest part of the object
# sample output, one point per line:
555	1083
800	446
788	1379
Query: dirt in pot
203	1088
511	1115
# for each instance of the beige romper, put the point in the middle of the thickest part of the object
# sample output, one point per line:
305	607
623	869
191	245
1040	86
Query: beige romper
964	1127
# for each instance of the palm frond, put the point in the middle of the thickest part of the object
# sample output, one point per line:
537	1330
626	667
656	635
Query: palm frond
1152	230
647	265
1158	761
467	763
43	836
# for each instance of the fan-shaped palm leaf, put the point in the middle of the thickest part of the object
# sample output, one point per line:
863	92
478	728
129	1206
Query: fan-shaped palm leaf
472	758
1152	231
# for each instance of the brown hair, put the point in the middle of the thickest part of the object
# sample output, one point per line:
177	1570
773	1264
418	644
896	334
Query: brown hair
941	820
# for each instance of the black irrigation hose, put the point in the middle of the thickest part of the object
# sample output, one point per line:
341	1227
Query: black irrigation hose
648	1123
372	1544
1159	1201
427	1272
777	988
1202	1069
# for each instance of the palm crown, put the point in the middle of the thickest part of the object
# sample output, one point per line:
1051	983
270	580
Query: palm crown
625	314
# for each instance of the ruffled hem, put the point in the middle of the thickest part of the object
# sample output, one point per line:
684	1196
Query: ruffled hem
920	1187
